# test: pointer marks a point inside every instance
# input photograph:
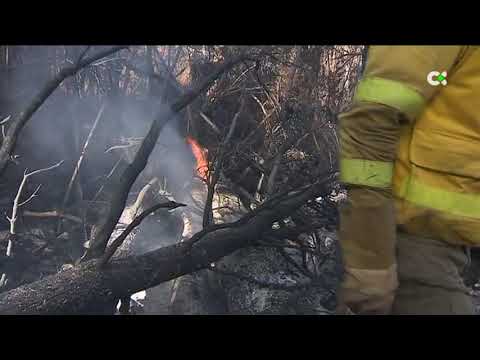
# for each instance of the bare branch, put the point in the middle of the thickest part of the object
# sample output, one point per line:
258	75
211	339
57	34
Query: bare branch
121	238
13	218
53	213
34	194
210	122
116	147
259	188
242	74
108	177
260	104
58	294
16	204
214	175
66	197
82	154
118	193
17	124
36	172
4	121
141	196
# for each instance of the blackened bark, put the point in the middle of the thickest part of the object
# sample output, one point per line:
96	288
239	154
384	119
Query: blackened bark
117	194
86	290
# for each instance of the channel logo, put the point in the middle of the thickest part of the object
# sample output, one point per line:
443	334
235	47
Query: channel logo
436	78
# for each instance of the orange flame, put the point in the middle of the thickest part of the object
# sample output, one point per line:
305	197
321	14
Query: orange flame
200	156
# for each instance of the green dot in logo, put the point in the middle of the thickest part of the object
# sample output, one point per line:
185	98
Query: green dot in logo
440	78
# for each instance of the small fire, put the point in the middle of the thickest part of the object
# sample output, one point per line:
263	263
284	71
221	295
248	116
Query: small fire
200	156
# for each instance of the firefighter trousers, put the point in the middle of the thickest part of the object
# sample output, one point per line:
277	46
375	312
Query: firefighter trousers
430	281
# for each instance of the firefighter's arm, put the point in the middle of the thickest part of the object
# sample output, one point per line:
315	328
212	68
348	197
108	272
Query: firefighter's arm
392	92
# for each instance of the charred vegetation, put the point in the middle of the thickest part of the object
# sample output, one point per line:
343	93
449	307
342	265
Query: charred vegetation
204	175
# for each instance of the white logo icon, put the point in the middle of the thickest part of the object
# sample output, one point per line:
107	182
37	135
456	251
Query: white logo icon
436	78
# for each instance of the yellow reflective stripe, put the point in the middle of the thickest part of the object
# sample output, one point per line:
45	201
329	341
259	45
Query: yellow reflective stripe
454	203
391	93
366	172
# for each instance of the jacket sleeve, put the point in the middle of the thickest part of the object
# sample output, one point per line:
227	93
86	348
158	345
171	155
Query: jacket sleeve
392	92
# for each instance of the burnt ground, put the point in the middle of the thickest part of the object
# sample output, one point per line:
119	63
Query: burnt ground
255	280
262	280
208	292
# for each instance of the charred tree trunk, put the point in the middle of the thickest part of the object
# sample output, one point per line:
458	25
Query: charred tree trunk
87	290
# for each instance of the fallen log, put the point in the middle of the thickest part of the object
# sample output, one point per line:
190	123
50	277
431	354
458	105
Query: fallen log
86	290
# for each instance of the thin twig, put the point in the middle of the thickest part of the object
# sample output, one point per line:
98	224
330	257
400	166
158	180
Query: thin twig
45	169
258	190
119	240
316	142
260	104
267	92
107	177
82	155
13	218
214	175
53	213
79	163
210	122
242	74
116	147
101	62
34	194
16	205
4	121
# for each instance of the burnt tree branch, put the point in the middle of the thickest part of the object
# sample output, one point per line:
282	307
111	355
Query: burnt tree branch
16	206
16	125
214	175
137	221
85	290
118	191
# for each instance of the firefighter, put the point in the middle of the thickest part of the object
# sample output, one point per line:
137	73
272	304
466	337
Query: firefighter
410	158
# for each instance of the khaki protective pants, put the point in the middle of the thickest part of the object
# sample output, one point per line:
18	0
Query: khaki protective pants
430	279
